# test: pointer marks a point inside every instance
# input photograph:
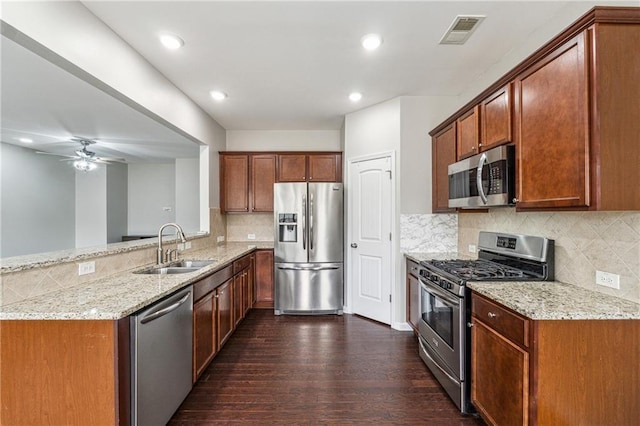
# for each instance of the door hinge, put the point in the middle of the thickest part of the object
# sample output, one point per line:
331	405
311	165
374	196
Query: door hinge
389	171
389	298
390	237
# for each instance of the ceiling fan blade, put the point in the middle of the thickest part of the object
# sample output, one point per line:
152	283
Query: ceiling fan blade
57	155
112	159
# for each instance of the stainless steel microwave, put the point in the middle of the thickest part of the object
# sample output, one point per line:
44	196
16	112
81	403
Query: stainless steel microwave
484	180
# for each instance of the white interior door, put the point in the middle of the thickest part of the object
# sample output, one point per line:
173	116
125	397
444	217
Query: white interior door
370	238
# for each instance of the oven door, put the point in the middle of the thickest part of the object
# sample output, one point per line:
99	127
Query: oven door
441	318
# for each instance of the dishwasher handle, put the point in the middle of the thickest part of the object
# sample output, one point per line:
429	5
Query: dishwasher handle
164	311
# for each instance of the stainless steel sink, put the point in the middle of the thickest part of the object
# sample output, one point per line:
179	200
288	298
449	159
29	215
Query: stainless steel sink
177	267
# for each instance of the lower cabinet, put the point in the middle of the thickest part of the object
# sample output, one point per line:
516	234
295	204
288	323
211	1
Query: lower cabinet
413	295
264	278
553	372
205	342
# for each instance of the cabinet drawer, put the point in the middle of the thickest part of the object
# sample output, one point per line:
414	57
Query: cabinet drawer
507	323
207	284
412	268
241	264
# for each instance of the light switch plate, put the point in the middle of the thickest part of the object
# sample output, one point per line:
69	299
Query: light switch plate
608	279
472	248
220	238
251	237
86	268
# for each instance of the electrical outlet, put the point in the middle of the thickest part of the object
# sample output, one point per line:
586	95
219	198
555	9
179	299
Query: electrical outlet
220	238
251	236
167	209
608	279
180	246
187	245
472	248
86	268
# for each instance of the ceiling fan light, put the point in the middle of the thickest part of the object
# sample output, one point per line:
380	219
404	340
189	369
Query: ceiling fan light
371	41
84	165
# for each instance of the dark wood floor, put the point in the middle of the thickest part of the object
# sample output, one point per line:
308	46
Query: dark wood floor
318	370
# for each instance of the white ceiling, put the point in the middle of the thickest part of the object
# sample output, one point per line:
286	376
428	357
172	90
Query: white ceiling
291	65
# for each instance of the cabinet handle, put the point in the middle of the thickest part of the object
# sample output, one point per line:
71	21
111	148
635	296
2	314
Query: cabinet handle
469	324
491	315
515	200
473	148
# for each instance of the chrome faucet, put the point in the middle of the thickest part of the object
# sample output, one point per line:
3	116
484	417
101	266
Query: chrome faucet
183	239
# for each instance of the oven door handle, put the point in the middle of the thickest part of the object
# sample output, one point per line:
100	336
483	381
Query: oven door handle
426	352
481	163
441	294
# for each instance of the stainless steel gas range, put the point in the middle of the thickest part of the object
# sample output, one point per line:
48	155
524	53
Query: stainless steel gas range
444	338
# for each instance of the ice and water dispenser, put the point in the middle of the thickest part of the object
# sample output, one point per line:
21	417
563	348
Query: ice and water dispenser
287	227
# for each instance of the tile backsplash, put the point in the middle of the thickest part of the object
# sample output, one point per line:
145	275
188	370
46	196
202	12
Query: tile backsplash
428	233
239	226
584	242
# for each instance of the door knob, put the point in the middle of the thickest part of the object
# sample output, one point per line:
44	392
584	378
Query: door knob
354	245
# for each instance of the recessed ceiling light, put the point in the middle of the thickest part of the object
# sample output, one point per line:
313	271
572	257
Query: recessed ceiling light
218	95
171	41
355	96
371	41
25	140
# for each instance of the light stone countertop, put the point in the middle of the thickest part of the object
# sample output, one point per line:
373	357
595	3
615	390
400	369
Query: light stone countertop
547	300
552	300
122	294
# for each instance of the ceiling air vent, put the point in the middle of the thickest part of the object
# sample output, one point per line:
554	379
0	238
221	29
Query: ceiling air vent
461	29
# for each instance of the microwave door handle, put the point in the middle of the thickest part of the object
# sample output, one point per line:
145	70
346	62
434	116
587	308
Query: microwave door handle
481	163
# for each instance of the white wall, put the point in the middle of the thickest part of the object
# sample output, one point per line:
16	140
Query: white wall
117	185
152	188
31	223
187	193
71	31
91	207
418	116
283	140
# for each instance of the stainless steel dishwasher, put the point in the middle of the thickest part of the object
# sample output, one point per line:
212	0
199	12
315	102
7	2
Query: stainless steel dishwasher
161	342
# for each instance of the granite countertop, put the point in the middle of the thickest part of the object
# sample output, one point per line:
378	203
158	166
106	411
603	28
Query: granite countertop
552	300
122	294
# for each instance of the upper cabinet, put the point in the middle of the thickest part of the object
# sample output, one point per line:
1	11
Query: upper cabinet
552	124
443	153
571	109
316	167
495	119
468	133
247	178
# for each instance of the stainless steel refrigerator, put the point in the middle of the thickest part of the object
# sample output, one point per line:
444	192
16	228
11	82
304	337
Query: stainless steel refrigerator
308	248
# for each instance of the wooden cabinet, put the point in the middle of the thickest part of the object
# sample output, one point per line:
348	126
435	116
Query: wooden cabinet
549	372
574	118
204	333
234	183
246	182
413	295
264	278
495	119
552	121
224	311
443	152
499	364
468	133
317	167
263	176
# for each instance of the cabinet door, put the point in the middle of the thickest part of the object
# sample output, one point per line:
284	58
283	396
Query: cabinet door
238	287
468	133
224	311
263	176
264	277
234	183
499	377
204	334
495	119
325	168
413	302
443	151
247	292
292	168
552	125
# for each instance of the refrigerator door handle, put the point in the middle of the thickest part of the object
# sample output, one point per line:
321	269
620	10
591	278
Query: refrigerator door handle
303	268
311	221
304	224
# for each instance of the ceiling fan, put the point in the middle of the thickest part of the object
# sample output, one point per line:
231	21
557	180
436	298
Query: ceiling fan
85	160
